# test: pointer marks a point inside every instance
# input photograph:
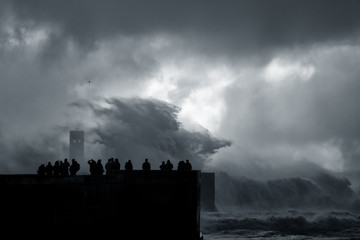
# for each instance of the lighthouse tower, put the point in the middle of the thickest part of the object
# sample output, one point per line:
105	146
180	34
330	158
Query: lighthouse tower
76	145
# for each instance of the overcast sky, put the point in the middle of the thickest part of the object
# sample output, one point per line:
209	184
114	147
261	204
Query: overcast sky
251	87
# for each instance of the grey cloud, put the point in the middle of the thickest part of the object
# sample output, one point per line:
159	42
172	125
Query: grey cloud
301	113
240	27
275	121
20	155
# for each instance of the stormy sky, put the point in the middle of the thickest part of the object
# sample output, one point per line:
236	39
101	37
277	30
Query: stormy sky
255	88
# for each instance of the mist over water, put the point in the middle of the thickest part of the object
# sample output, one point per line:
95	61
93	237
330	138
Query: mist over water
124	128
321	192
139	128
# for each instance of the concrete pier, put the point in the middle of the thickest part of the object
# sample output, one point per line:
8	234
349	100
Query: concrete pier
151	205
208	191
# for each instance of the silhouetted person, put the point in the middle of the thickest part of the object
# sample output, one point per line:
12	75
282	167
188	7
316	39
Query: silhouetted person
99	167
168	165
41	170
57	168
74	167
128	165
188	166
181	166
109	166
61	168
146	165
49	169
116	164
162	166
64	166
92	166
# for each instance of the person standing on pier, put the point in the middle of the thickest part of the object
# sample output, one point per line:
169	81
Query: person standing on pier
74	167
146	165
128	165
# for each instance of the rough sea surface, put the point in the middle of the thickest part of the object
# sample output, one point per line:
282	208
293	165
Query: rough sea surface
285	224
317	206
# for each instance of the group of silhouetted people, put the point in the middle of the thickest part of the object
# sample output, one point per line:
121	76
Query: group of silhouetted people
64	168
113	165
60	168
182	165
96	167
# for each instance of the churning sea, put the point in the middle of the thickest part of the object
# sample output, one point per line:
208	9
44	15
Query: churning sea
287	224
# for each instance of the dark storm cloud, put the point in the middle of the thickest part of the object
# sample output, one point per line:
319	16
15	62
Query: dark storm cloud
213	26
108	42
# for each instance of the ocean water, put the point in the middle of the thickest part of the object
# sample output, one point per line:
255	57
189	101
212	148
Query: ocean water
318	206
287	224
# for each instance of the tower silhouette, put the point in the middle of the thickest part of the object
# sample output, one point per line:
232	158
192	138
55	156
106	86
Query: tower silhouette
76	145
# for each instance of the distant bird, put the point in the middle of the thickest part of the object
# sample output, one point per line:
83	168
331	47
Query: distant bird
89	81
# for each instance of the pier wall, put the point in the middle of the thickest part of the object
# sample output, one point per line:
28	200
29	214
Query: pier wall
208	191
151	205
